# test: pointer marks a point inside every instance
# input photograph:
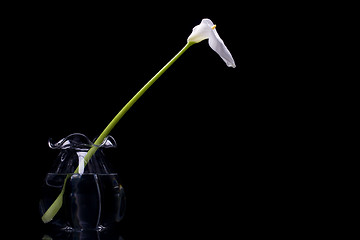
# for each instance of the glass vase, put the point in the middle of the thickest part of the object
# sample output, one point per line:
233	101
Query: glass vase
93	199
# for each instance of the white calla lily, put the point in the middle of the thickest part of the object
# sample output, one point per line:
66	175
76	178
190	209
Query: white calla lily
206	30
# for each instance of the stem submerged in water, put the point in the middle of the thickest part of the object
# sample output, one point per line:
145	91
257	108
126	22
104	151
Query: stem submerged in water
55	207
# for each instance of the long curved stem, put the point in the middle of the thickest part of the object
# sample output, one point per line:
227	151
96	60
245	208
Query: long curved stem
55	207
116	119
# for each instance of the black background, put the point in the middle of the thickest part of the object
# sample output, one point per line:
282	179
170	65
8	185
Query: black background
207	151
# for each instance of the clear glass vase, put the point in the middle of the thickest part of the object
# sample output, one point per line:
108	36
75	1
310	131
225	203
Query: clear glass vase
93	198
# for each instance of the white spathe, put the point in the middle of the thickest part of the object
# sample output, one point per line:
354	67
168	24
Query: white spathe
206	30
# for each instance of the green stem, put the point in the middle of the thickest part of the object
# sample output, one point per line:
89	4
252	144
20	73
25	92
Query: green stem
55	207
116	119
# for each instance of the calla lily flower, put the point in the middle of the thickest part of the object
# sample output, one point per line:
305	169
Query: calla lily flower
206	30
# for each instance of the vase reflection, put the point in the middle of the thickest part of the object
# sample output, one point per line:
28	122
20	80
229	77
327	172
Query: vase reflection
84	235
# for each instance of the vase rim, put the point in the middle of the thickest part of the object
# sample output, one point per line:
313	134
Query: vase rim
81	141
